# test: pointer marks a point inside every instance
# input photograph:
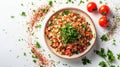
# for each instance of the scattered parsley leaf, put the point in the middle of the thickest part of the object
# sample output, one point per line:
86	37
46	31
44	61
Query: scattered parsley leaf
100	2
50	3
66	12
103	64
25	54
80	2
34	61
37	45
101	53
45	10
118	56
38	26
85	60
104	38
110	55
12	17
41	65
23	14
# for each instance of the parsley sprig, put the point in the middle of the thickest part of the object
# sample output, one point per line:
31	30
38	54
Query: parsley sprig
85	60
108	57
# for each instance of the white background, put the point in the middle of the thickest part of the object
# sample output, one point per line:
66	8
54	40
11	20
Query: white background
11	30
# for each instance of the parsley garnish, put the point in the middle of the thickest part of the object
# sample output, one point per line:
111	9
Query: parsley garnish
25	54
109	55
104	38
34	61
85	60
69	34
38	26
23	14
103	64
45	10
66	12
50	3
12	17
37	45
118	56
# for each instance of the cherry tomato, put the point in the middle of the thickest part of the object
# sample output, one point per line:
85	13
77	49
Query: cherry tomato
103	22
104	10
91	6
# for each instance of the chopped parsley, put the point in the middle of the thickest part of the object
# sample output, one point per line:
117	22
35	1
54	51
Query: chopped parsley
12	17
110	55
38	26
50	3
101	52
118	56
104	38
23	14
45	10
85	61
103	64
69	1
80	2
100	2
25	54
66	12
37	45
34	61
69	34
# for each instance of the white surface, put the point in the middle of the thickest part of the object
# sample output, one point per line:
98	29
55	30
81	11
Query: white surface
11	30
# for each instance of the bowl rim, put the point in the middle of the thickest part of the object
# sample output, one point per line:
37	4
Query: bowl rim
83	53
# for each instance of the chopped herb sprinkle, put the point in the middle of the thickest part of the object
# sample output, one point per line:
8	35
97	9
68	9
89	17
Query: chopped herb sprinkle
104	38
37	45
23	14
118	56
50	3
12	17
85	60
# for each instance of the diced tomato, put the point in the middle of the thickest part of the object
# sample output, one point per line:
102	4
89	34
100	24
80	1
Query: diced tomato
68	52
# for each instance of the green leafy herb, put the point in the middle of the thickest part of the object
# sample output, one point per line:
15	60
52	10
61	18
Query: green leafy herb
103	64
37	45
23	14
34	61
12	17
69	1
85	60
45	10
80	2
104	38
101	53
38	26
100	2
50	3
66	12
110	55
41	65
118	56
25	54
69	34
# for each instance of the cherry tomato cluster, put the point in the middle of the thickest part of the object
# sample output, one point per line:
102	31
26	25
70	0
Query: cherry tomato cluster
103	10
